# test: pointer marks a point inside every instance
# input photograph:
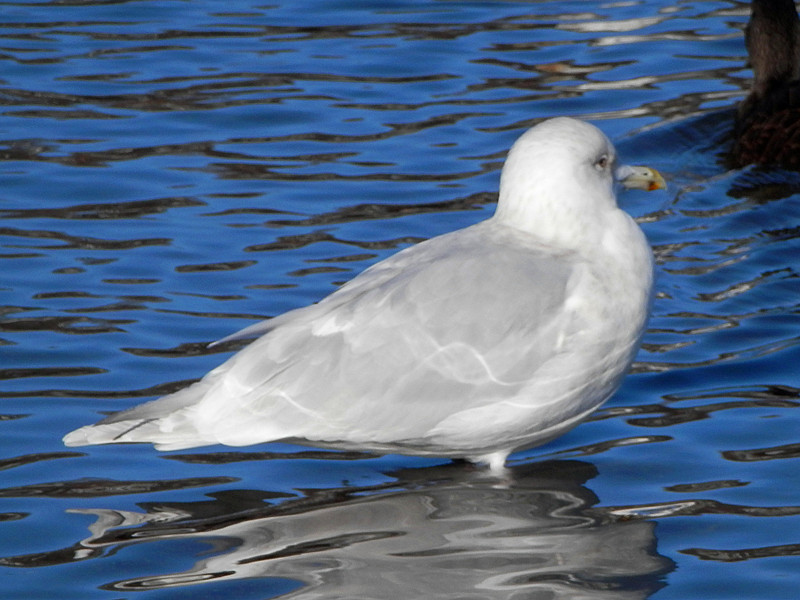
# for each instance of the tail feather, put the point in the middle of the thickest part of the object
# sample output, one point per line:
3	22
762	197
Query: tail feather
134	431
147	423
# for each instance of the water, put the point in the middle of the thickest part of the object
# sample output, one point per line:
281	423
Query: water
172	171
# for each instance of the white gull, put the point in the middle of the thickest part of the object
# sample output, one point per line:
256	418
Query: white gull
474	344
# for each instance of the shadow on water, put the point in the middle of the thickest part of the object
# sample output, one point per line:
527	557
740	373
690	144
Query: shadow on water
438	532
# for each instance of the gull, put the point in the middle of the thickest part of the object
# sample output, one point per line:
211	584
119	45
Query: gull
474	344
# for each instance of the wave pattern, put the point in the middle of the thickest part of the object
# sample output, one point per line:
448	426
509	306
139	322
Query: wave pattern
173	171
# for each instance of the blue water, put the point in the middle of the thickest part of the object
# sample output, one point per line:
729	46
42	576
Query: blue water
172	171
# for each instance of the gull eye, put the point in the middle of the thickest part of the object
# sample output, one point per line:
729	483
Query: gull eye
602	163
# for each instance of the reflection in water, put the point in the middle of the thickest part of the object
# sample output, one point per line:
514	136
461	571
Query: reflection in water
442	532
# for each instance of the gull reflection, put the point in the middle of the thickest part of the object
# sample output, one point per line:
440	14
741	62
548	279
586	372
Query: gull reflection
442	532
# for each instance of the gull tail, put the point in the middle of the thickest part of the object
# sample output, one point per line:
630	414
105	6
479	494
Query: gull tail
163	422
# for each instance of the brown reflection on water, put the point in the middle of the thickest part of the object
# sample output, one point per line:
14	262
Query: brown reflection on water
105	211
694	508
152	391
95	488
760	454
671	413
71	325
744	553
365	212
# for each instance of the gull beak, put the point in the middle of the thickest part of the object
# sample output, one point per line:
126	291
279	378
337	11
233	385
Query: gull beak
640	178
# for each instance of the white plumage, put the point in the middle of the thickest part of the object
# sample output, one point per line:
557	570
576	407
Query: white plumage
473	344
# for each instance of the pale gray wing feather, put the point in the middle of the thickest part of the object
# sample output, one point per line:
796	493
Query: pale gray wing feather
370	278
461	321
458	322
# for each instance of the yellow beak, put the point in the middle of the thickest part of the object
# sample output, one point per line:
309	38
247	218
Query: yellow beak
640	178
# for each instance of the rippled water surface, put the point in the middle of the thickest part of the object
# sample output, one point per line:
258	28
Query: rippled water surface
171	171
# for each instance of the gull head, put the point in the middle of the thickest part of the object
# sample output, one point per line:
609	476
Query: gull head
558	180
